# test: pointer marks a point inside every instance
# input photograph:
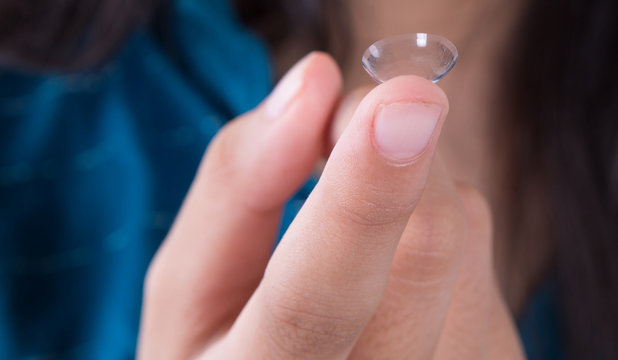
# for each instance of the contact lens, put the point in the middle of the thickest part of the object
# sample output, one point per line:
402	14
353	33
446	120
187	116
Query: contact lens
426	55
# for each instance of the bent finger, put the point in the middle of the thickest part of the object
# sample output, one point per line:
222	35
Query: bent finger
478	325
215	254
327	276
411	315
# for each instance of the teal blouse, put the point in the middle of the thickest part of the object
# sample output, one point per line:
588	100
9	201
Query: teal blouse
94	166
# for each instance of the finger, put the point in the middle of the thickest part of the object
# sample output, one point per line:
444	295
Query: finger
344	113
478	325
411	316
342	116
327	276
216	252
504	341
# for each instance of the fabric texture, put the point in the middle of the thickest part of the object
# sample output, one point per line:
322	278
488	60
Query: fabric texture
93	168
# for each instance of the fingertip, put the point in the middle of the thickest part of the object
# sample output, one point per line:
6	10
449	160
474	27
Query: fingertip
404	117
315	78
408	89
418	89
293	121
323	65
323	81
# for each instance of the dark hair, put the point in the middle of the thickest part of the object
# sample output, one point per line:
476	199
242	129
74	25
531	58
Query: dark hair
561	132
66	34
562	138
292	28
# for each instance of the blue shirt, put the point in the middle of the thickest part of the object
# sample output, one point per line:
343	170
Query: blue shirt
93	168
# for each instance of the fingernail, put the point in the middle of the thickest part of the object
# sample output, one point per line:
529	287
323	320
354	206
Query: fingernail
286	89
402	131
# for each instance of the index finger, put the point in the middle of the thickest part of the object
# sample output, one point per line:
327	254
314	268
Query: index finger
326	278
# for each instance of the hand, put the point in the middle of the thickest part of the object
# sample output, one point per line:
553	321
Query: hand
387	259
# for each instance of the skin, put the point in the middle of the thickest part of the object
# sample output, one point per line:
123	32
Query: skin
482	30
389	258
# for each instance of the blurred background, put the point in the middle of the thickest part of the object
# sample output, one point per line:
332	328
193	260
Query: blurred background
106	107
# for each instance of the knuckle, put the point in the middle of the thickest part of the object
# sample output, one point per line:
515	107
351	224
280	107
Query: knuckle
476	205
298	326
229	149
222	150
480	223
159	280
234	162
372	207
152	283
438	227
303	332
431	243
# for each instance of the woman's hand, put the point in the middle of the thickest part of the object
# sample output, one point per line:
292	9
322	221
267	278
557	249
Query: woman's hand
387	259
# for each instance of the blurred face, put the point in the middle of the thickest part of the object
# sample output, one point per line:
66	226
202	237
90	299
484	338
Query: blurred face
479	29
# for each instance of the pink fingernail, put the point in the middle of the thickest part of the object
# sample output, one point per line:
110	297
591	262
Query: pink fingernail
402	131
286	89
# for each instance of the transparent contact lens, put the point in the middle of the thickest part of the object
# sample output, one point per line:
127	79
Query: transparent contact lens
426	55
